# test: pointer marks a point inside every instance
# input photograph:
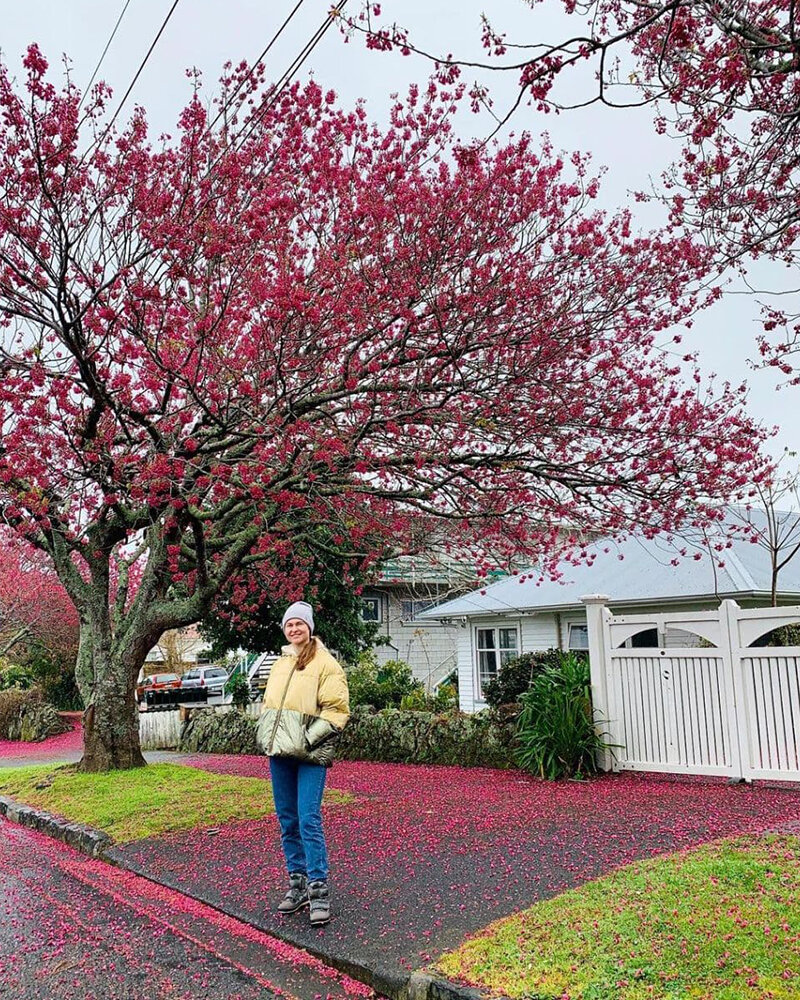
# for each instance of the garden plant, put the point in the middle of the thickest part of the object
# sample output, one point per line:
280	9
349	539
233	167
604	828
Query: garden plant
515	677
557	734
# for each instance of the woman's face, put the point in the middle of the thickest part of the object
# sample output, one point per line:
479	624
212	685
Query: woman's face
297	632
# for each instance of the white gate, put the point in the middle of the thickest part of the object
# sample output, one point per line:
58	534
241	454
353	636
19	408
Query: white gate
720	706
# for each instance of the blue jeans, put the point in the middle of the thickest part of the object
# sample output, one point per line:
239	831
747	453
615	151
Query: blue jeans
297	790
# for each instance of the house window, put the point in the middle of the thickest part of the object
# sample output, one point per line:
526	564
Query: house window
578	637
371	610
495	646
410	610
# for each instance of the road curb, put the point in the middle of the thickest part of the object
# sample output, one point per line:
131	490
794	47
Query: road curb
392	983
77	835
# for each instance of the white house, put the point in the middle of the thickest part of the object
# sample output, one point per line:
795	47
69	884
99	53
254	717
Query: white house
522	613
396	601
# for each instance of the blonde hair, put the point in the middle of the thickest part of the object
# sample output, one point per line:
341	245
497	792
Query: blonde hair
306	654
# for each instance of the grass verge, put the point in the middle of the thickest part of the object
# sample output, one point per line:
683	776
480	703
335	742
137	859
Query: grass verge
719	922
144	802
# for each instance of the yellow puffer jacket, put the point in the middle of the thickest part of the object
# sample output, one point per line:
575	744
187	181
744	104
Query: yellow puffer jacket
304	710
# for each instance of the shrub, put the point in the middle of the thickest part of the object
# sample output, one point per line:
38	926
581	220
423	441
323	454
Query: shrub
784	635
24	716
239	690
55	675
516	677
380	685
444	700
556	734
209	731
12	675
395	736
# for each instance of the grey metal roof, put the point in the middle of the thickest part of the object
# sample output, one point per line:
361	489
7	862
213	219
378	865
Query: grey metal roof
635	571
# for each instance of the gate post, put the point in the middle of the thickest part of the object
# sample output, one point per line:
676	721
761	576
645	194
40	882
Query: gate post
596	614
734	689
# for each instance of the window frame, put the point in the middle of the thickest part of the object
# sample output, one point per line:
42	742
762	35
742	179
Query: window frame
377	600
428	604
498	649
583	627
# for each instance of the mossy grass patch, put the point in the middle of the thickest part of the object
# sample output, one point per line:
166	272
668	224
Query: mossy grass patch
719	922
145	801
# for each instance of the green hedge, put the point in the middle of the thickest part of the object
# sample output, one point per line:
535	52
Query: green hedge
388	736
395	736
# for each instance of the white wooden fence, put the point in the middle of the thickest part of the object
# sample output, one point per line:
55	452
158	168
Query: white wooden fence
162	730
722	707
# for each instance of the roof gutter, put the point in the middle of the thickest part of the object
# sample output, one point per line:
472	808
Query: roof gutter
760	595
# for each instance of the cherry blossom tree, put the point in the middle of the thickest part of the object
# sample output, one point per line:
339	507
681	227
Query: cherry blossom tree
218	344
33	604
726	79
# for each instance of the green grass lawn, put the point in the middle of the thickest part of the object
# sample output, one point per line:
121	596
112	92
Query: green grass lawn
144	802
719	922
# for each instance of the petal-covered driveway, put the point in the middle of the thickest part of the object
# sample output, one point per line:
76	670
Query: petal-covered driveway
426	855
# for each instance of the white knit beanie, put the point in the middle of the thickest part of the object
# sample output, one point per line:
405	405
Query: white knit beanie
299	610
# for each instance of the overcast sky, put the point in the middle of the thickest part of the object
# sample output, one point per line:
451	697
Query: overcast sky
207	33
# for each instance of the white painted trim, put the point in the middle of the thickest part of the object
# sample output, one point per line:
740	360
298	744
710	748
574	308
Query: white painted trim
477	692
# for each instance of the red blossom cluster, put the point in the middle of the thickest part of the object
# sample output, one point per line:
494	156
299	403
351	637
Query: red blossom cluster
33	604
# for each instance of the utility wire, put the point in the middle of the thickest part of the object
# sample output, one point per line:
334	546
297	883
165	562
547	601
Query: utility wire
139	71
255	63
287	76
103	55
279	87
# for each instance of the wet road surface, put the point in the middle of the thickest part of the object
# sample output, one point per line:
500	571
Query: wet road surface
72	928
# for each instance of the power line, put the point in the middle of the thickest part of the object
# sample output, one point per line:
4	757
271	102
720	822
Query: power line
286	78
255	63
139	70
280	86
105	50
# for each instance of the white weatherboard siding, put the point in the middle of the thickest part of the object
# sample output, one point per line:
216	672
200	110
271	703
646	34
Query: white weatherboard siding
466	684
537	632
534	632
640	576
428	647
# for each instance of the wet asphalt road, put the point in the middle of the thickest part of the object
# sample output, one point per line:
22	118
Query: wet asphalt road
76	929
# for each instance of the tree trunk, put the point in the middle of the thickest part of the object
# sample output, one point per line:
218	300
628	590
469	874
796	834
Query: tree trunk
111	719
111	731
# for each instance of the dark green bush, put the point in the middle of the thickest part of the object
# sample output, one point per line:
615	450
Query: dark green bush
13	675
514	679
556	732
11	702
380	685
239	690
219	732
395	736
784	635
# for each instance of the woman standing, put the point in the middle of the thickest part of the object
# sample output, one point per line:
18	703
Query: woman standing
306	705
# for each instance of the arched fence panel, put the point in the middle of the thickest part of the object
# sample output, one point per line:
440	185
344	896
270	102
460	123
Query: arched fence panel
730	709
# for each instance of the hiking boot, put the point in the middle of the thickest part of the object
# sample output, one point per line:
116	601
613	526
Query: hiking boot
297	895
319	902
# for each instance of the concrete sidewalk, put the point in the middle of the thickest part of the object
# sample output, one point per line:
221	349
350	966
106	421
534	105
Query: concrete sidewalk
425	856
